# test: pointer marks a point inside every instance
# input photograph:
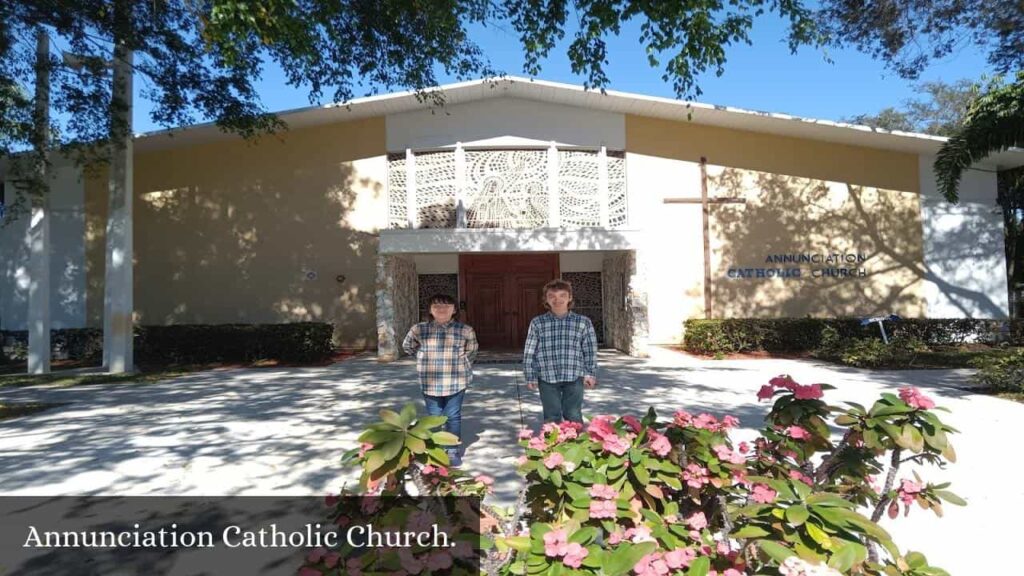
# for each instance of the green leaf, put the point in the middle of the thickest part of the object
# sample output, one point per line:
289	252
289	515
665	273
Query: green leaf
845	420
391	417
803	491
425	425
826	499
949	453
950	497
750	531
584	536
520	543
936	440
774	550
626	556
378	437
374	460
641	473
699	567
890	410
843	559
872	440
797	515
439	455
408	414
671	481
916	560
391	448
445	438
916	440
818	535
415	445
594	557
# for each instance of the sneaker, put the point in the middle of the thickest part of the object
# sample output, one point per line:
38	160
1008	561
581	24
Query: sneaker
454	460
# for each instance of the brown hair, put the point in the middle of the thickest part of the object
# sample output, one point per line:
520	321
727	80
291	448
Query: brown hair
555	285
442	299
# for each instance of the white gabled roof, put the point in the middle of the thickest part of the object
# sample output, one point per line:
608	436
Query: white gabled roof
610	101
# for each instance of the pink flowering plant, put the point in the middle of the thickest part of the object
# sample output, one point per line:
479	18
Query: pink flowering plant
633	495
644	496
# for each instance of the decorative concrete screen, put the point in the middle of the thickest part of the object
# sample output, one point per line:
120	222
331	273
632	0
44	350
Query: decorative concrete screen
507	188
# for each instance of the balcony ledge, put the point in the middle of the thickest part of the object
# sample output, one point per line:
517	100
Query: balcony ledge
446	240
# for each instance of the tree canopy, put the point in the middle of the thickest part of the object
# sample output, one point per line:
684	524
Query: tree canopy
939	110
199	59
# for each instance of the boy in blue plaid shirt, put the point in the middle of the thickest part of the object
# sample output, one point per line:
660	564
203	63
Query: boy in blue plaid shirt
560	355
444	350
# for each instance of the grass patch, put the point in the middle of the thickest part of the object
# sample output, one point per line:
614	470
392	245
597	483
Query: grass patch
22	409
1014	396
959	356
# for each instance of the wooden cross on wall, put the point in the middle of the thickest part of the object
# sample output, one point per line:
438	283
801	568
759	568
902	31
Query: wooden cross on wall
706	203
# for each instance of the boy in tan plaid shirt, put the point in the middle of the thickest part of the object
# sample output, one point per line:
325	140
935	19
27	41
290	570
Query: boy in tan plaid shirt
445	350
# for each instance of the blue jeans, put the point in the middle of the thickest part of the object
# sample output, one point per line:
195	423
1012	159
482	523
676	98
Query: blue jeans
562	400
450	406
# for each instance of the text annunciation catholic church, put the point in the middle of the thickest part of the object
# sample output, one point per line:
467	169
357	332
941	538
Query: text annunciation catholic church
656	211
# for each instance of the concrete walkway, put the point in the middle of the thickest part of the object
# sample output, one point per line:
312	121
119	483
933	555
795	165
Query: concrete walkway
281	431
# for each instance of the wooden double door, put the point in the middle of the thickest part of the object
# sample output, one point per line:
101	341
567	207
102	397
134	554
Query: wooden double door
501	293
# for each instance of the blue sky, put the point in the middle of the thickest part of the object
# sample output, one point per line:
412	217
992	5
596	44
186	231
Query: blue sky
763	76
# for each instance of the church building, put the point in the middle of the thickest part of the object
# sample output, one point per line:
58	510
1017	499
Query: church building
656	210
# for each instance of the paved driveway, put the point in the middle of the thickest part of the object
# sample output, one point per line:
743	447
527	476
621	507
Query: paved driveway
280	431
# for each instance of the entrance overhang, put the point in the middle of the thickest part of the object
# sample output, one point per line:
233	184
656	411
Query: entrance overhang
461	240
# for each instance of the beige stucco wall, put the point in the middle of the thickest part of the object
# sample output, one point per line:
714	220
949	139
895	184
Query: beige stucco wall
801	197
245	232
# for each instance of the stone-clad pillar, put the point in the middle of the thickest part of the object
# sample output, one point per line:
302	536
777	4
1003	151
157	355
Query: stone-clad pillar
625	306
396	303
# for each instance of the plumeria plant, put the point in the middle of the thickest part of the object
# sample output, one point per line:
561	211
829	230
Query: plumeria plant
403	457
640	495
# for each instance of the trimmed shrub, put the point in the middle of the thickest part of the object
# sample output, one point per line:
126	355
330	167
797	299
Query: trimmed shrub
202	343
84	344
873	353
300	342
732	335
1005	374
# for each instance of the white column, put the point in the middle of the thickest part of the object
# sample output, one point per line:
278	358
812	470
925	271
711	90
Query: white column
460	186
118	301
411	214
554	201
38	236
602	185
38	240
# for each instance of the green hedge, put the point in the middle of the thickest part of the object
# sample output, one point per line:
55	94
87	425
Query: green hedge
73	343
302	342
733	335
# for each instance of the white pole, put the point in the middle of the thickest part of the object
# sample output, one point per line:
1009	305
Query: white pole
118	325
411	212
38	236
602	186
460	186
554	198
